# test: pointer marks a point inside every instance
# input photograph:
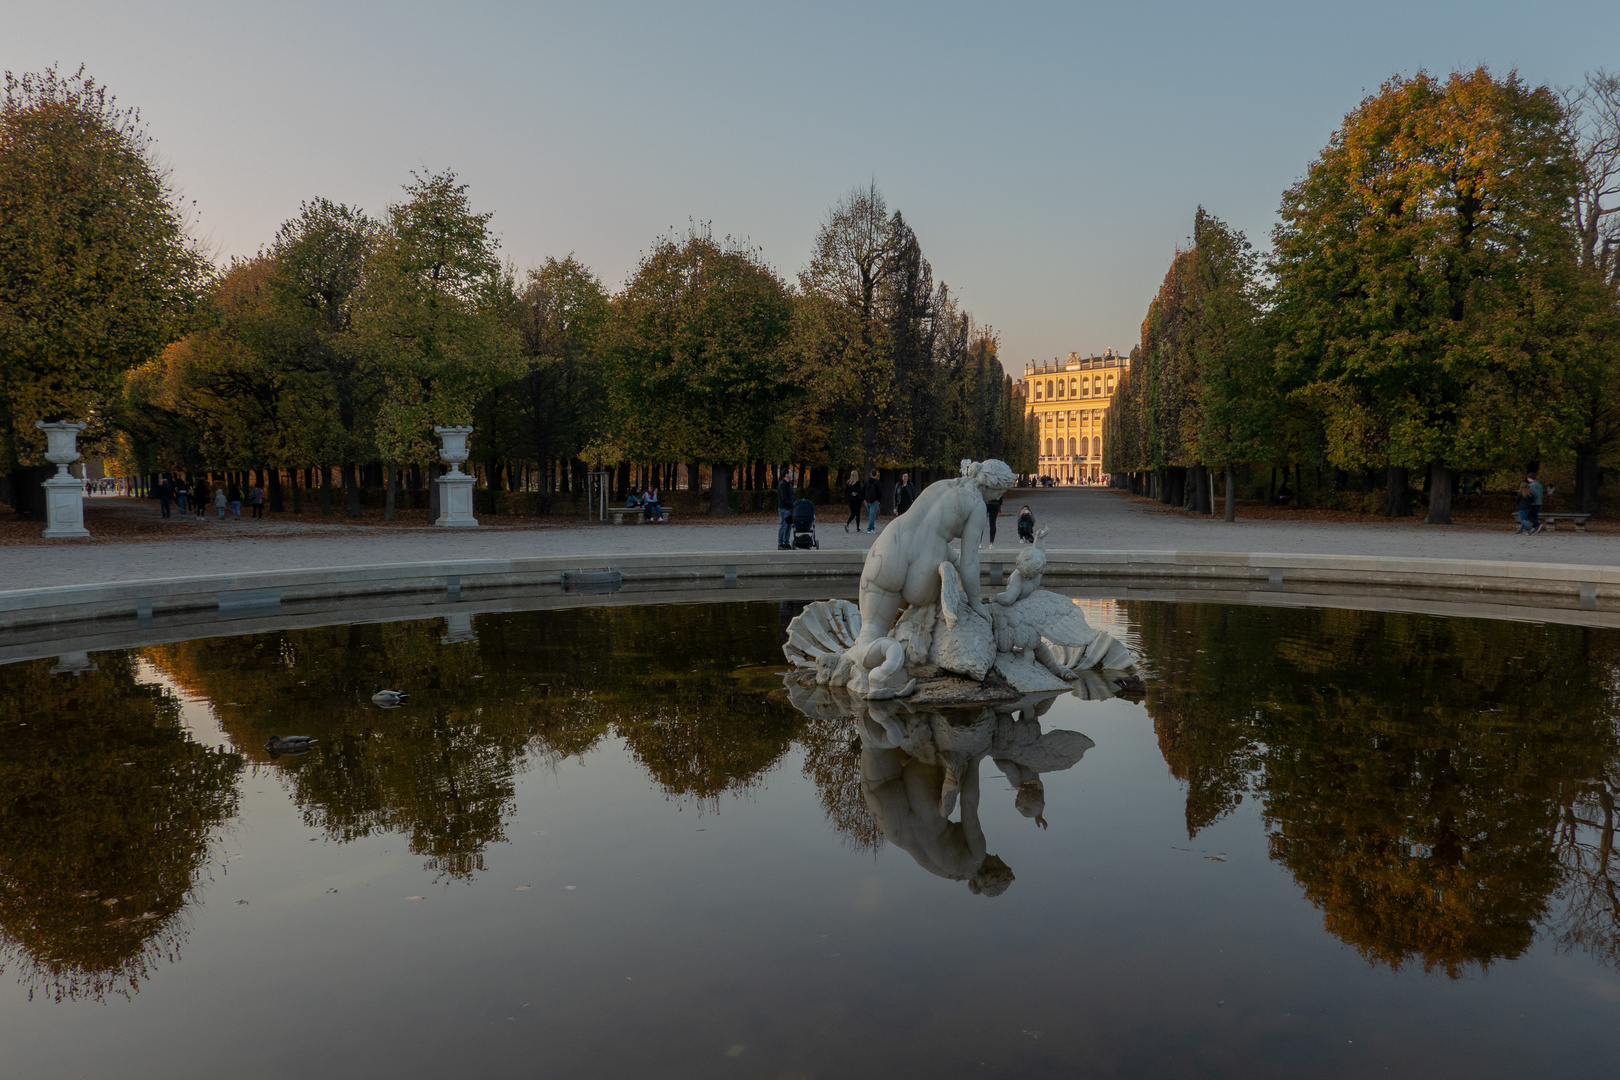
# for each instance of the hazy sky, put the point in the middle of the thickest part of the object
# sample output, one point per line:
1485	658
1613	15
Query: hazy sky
1050	157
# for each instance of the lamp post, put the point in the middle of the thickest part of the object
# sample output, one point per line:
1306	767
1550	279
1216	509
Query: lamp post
64	494
455	486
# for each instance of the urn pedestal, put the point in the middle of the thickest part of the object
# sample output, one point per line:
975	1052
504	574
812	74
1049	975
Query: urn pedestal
64	493
455	487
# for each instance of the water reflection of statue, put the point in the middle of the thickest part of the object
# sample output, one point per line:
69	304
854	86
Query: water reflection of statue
919	767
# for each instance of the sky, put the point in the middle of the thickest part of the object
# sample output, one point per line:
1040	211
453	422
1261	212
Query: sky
1049	156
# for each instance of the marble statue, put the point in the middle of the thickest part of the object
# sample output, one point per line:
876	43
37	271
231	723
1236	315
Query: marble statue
922	628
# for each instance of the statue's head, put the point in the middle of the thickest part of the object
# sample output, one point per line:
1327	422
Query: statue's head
992	878
1031	561
994	477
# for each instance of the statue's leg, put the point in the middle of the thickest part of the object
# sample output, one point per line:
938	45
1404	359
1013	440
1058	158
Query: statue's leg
1050	662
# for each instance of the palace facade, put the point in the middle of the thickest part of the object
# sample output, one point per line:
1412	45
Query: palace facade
1067	398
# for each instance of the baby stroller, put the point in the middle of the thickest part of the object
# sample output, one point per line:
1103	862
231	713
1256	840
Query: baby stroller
804	525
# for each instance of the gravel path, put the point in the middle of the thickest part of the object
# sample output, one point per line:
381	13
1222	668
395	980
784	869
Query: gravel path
1093	518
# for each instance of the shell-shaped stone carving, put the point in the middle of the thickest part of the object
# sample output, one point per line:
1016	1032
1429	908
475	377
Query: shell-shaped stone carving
825	628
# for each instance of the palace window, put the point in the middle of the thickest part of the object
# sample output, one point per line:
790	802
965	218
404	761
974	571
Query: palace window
1048	447
1071	447
1085	447
1096	384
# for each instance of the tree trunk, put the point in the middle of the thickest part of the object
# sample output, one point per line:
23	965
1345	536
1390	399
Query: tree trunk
274	491
27	496
1397	495
388	497
351	490
1439	495
1587	478
297	490
326	490
1231	493
1200	490
720	491
621	483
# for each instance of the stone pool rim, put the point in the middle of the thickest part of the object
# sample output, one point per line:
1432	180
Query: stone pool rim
245	590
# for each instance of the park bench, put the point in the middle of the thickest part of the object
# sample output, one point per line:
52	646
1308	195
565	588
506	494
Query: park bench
634	513
1552	520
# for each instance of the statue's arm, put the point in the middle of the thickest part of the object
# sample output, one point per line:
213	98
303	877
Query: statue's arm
972	534
1014	591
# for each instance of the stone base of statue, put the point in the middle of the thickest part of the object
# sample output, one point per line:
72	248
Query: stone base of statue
456	501
64	508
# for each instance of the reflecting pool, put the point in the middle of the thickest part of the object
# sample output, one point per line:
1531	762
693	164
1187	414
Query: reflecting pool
610	842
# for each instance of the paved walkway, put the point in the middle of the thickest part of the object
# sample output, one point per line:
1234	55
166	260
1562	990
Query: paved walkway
1094	518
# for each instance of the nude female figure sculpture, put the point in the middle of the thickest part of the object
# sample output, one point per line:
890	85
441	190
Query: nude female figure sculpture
902	569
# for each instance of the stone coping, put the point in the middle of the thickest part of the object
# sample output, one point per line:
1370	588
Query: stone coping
252	588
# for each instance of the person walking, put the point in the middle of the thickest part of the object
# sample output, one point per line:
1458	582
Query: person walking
873	495
182	494
852	494
234	497
1526	506
165	492
784	511
992	510
256	496
904	496
1537	495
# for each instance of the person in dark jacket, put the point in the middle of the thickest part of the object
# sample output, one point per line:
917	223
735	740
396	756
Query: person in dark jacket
852	494
904	496
872	494
784	512
165	493
182	491
1026	525
234	497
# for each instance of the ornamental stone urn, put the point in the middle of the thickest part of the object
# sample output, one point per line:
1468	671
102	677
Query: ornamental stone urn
455	487
64	494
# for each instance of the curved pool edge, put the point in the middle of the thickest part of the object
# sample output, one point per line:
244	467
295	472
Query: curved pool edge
1561	583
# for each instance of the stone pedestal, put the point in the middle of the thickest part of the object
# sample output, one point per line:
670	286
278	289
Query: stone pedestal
64	493
455	487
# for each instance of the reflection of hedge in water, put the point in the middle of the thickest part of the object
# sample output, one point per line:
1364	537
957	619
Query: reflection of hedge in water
548	684
1413	770
106	799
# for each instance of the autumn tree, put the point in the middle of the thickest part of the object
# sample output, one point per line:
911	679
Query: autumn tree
1423	266
97	273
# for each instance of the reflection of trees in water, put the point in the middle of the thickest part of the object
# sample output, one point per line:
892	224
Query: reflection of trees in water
545	685
1414	771
832	762
106	821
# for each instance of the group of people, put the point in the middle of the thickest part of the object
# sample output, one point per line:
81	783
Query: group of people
1528	511
231	497
867	497
648	499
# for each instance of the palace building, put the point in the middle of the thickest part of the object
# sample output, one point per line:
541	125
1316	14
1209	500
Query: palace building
1067	398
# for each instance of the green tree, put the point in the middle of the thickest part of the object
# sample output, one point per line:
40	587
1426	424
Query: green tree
438	309
696	358
97	273
1423	267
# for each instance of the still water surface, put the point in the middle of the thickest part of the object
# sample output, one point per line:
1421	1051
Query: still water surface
604	842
